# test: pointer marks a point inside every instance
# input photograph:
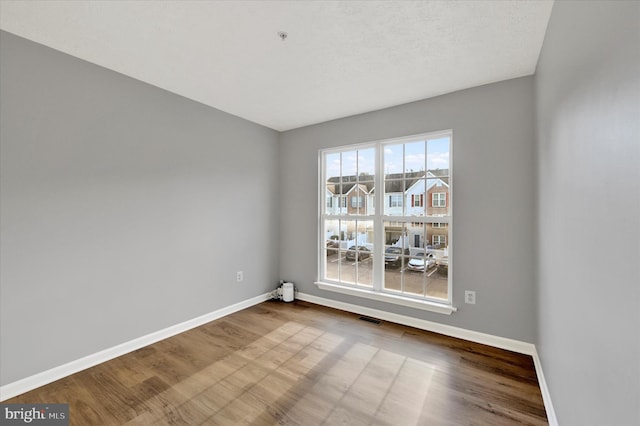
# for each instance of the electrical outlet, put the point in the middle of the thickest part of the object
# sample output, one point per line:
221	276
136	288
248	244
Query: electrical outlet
239	276
470	297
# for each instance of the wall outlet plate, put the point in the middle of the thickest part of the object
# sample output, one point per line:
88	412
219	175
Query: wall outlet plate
470	297
239	276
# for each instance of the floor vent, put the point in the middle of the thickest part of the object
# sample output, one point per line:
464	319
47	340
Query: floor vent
369	319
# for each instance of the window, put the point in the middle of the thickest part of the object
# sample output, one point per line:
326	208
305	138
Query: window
373	249
395	200
439	199
439	240
343	201
357	202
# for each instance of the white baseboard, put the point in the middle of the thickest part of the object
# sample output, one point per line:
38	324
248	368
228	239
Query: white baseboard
448	330
40	379
546	396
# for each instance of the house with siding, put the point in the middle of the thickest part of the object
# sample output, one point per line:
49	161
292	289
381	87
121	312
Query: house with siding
418	193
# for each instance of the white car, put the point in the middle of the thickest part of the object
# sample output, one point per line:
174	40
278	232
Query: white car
421	262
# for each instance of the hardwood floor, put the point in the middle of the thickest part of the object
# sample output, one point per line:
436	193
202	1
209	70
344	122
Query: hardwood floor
303	364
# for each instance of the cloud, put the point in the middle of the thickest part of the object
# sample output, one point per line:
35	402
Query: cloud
414	162
438	161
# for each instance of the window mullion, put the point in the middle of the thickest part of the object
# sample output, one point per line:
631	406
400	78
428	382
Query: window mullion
378	224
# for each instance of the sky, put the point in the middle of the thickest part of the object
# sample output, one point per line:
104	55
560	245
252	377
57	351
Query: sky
397	157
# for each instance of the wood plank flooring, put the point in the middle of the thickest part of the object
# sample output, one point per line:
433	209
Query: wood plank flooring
303	364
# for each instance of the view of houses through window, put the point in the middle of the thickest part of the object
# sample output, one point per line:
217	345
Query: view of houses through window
393	235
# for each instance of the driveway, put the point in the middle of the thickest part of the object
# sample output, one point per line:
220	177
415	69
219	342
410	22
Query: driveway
433	280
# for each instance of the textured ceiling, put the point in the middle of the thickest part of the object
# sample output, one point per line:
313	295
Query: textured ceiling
340	57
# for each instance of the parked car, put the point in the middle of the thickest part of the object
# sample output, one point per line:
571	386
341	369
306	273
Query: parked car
393	256
333	242
362	253
421	262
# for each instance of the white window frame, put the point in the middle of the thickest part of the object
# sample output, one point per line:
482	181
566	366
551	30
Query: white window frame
396	200
439	237
417	200
357	201
440	200
378	216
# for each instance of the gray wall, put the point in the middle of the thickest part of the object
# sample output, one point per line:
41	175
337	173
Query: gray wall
124	209
588	110
494	200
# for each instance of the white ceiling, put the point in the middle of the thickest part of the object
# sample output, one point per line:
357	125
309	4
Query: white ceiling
340	57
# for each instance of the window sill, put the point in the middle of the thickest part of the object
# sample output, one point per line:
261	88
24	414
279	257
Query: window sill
440	308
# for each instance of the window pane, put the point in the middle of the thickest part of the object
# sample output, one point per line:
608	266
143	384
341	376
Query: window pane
369	203
332	269
332	233
349	163
414	157
416	233
438	155
332	165
394	198
415	197
332	250
356	200
395	254
393	159
424	276
438	197
365	251
366	164
437	277
415	277
419	262
366	176
403	187
330	196
347	269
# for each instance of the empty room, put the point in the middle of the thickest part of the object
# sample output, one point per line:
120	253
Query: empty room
320	212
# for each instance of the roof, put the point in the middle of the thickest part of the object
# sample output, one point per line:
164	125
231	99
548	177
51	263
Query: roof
394	182
341	187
